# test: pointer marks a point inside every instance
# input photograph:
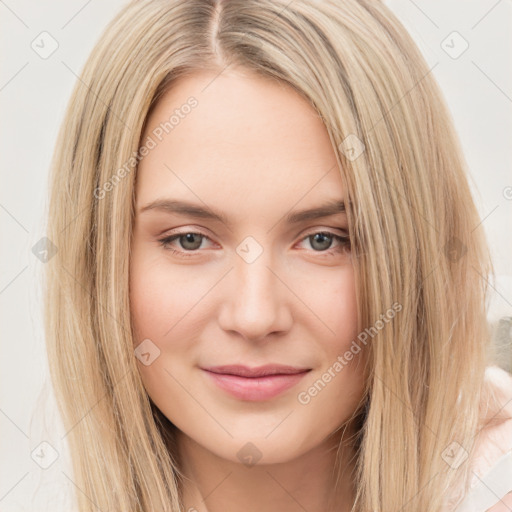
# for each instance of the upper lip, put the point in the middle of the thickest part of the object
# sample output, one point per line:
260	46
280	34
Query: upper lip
258	371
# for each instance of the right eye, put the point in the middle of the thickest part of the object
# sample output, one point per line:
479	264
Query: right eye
190	242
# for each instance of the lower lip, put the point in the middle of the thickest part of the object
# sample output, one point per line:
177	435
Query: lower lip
256	388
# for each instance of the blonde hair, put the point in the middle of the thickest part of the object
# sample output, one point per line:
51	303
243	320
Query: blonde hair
415	231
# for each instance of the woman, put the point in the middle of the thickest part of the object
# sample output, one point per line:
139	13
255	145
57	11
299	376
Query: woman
322	344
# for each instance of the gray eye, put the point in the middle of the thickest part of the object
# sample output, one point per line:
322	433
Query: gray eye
188	241
324	241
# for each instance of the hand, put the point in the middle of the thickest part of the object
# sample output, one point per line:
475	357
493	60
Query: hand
504	505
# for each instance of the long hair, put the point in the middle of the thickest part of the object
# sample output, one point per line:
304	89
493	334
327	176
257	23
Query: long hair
414	228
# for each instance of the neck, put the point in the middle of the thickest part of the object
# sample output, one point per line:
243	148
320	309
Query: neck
308	482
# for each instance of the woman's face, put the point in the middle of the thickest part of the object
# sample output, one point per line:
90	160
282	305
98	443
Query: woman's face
243	278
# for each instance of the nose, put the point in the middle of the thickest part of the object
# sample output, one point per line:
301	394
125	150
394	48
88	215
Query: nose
255	303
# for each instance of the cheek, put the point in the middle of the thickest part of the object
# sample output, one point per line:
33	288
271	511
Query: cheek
341	374
333	301
344	318
148	301
344	312
158	305
160	296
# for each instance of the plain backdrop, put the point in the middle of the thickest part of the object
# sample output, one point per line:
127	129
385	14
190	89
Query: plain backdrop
33	95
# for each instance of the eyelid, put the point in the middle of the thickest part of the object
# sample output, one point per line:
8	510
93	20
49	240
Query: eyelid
176	234
325	229
307	232
343	238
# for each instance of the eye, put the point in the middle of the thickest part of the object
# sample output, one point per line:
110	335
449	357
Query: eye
322	241
189	241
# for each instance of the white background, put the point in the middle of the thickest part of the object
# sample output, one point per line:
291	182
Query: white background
33	96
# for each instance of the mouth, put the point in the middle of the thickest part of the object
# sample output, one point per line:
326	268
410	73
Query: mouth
255	384
257	371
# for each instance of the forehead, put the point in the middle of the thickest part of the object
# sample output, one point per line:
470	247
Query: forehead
245	134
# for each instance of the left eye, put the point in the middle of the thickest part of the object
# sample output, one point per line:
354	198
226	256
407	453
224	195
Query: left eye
323	241
191	242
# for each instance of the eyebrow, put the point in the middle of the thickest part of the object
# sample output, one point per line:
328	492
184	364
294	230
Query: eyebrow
327	209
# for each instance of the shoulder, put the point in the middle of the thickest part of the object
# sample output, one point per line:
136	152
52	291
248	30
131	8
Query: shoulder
491	461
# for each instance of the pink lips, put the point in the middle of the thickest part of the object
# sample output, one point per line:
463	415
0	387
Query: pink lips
255	384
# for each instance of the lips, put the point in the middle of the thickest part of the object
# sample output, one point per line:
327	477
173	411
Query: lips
255	384
259	371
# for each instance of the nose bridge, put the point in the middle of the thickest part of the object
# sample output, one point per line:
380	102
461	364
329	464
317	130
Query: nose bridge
255	305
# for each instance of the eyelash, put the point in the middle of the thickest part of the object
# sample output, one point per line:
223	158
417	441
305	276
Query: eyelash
344	241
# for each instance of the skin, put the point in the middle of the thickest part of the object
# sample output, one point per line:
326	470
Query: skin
504	505
256	151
